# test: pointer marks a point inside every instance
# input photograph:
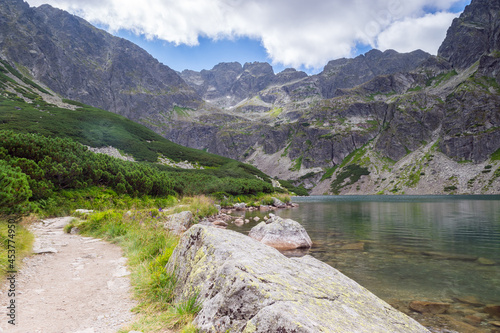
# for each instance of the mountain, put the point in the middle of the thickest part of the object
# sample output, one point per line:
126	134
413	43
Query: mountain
81	62
44	135
227	84
380	111
476	32
383	122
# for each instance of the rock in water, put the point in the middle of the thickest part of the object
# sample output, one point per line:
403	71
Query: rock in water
240	206
281	234
278	203
429	307
244	286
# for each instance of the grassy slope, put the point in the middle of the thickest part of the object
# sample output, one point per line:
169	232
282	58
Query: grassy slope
95	127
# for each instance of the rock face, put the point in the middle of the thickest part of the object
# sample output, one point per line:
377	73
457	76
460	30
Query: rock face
407	108
282	234
348	73
244	286
227	84
474	33
81	62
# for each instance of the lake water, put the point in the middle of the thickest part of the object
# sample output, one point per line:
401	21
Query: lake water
404	248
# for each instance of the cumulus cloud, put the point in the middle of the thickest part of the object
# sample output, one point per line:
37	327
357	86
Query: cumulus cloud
295	33
425	33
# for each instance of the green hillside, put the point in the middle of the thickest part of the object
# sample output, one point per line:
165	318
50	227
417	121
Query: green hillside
42	154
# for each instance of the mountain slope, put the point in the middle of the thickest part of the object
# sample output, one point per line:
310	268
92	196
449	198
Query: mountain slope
81	62
354	128
309	129
24	110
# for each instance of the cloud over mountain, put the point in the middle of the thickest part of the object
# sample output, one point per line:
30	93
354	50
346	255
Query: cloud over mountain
293	32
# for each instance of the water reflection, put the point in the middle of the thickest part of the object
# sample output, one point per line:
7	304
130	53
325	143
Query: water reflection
404	248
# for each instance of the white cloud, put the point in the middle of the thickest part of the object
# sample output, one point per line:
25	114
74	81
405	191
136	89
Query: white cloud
425	33
294	32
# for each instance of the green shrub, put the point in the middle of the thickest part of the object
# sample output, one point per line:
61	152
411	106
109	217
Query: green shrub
14	189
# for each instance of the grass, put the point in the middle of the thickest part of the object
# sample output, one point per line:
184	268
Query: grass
495	156
19	237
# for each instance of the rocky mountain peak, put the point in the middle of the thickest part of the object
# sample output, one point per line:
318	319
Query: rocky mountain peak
81	62
474	33
348	73
258	68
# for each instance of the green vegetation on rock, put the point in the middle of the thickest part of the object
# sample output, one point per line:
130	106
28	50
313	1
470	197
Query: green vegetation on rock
353	172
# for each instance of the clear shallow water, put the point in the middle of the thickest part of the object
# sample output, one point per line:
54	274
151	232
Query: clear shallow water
412	247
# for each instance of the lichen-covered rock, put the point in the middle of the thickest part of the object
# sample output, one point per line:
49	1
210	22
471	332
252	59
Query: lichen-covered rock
178	223
283	234
244	286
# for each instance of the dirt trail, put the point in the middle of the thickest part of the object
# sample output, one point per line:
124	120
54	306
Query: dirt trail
77	284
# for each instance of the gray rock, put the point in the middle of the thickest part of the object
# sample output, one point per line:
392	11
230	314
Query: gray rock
239	222
281	234
219	223
44	250
278	203
471	35
240	206
244	286
178	223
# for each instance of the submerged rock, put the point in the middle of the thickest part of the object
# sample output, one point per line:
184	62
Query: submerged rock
485	262
239	222
470	300
354	246
283	234
493	310
244	286
429	307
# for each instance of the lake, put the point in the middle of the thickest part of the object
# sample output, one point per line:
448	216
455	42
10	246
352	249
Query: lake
405	248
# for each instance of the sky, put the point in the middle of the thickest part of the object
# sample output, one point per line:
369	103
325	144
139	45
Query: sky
303	34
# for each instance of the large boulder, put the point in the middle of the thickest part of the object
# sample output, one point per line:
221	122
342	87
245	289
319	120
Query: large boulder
283	234
245	286
178	223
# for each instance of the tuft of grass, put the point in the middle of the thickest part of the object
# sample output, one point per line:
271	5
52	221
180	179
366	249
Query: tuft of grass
20	237
496	155
200	206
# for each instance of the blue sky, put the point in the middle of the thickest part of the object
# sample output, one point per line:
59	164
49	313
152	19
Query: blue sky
304	34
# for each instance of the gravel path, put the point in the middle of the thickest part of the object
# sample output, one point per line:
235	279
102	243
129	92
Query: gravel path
75	284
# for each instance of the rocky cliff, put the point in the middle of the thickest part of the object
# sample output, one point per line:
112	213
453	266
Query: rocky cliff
81	62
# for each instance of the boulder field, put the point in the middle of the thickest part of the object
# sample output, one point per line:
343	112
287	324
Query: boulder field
243	285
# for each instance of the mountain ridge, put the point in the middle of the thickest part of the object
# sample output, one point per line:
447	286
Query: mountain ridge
373	111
